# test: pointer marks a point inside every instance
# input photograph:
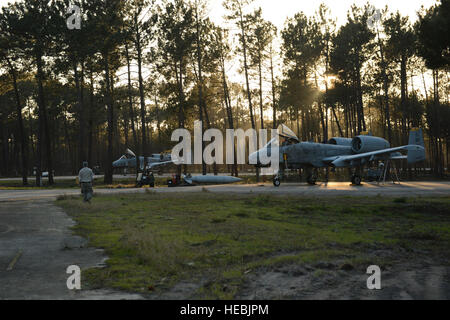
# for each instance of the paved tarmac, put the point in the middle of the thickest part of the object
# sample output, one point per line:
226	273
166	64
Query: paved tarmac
405	189
62	178
116	176
36	247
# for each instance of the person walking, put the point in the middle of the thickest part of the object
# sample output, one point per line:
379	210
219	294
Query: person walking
151	180
86	177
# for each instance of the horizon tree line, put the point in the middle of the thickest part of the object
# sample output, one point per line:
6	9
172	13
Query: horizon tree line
137	70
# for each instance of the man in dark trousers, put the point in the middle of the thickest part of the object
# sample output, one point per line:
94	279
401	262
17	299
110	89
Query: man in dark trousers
86	177
151	180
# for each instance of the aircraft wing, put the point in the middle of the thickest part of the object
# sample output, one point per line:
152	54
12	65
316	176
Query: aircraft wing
343	161
330	159
157	164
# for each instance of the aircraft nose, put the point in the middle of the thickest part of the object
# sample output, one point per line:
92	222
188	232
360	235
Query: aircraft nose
118	163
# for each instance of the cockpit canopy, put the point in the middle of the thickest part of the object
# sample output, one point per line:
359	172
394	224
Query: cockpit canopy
285	132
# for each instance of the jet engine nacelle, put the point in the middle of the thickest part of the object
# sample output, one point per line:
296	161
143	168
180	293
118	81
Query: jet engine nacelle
363	144
347	142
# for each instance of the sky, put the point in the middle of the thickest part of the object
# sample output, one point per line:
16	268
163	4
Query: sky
278	10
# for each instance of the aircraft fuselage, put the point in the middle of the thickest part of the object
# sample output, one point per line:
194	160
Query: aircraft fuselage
131	162
310	154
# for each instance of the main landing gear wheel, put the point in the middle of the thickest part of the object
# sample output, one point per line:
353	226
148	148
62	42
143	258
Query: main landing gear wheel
312	179
356	180
276	182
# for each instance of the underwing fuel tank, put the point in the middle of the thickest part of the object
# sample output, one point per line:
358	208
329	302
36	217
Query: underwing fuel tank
363	144
211	179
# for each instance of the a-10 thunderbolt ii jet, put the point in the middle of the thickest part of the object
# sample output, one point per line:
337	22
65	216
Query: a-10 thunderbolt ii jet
339	153
128	160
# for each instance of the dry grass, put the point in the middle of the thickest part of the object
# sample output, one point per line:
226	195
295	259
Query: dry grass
155	236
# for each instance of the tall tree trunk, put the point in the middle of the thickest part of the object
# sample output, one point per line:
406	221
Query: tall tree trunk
227	99
260	91
247	82
424	87
81	124
181	101
201	102
43	127
386	88
274	107
141	92
126	129
131	111
5	143
404	97
158	120
108	167
31	132
249	97
436	86
90	121
130	100
337	122
48	148
322	116
437	123
359	104
22	135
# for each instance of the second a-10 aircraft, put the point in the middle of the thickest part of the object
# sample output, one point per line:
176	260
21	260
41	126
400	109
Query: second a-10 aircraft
339	153
128	160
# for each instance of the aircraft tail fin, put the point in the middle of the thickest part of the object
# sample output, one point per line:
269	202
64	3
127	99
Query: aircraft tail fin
416	137
416	150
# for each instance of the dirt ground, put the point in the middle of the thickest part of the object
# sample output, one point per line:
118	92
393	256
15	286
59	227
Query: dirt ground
416	280
40	230
425	279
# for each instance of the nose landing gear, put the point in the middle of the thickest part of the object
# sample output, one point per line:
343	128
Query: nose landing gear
356	180
276	182
277	178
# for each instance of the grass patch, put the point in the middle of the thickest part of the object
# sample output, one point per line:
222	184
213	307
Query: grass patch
65	197
155	240
400	200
